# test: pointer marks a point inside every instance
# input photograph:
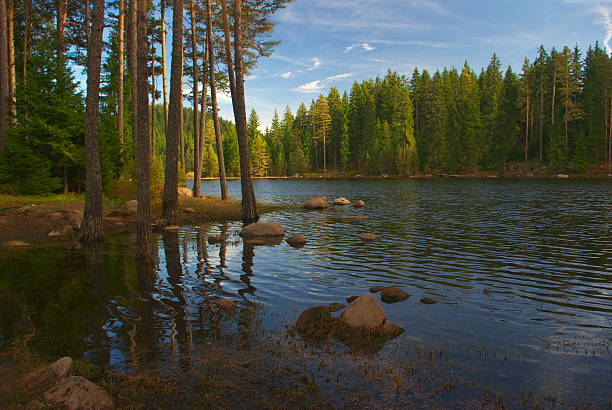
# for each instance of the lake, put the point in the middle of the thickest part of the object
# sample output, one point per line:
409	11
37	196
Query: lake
521	271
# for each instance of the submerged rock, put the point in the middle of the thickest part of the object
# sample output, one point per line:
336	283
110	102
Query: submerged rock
349	299
226	304
319	202
365	311
393	295
315	323
341	201
296	240
368	237
262	229
359	204
428	301
376	289
77	392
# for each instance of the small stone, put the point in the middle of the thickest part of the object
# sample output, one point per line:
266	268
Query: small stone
393	295
15	244
341	201
359	204
63	231
296	240
77	392
375	289
368	237
390	329
76	219
189	211
428	301
562	176
349	299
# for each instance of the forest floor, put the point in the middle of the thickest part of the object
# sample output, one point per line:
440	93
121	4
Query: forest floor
28	220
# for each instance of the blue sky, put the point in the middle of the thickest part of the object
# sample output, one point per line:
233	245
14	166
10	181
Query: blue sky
331	43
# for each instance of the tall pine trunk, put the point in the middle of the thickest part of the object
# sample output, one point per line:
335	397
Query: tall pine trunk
121	57
175	118
143	154
11	60
199	158
249	204
215	107
164	61
4	75
196	119
133	60
92	222
26	39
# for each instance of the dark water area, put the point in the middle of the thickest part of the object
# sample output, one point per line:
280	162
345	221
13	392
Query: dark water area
521	271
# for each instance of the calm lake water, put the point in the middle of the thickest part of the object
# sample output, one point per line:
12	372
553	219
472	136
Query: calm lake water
521	271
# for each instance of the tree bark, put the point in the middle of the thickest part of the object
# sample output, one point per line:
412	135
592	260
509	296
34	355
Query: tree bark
199	158
121	45
175	118
164	60
92	222
87	20
11	60
26	37
143	154
133	60
153	92
196	120
249	204
62	15
228	50
4	75
213	96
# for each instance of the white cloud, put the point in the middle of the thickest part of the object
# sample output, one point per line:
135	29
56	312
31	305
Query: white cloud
287	75
311	87
362	46
316	62
318	86
604	9
339	76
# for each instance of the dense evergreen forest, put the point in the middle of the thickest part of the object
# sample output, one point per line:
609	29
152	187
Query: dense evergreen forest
555	113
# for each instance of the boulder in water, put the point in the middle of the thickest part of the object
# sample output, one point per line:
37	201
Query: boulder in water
262	229
393	295
365	311
368	237
341	201
319	202
296	240
359	204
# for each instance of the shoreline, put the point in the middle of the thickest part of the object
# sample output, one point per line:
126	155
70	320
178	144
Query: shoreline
425	176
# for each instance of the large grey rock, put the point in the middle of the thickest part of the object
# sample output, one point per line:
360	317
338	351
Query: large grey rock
262	229
341	201
131	206
319	202
365	311
77	392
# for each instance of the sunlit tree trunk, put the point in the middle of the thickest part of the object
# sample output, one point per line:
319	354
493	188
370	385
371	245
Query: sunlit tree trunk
196	119
164	61
215	107
133	61
11	60
121	46
92	222
175	118
4	75
199	158
26	39
143	154
249	205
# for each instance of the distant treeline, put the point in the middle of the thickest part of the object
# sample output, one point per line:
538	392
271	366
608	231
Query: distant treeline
556	113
